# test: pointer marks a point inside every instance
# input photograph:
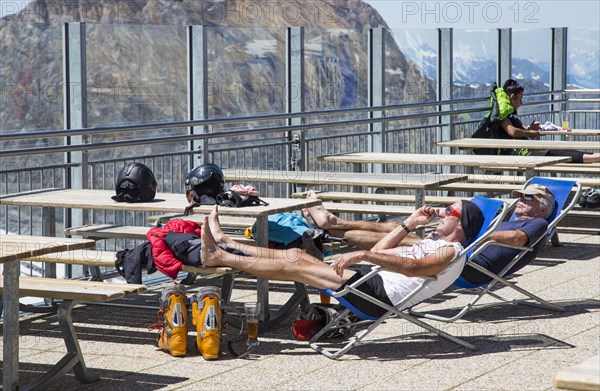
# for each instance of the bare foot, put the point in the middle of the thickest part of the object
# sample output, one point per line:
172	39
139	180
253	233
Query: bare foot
308	217
210	253
216	230
320	216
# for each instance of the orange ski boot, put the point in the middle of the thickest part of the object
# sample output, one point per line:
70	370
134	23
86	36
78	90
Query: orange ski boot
206	316
173	321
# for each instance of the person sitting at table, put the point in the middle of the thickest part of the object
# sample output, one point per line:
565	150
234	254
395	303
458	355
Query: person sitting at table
406	266
536	203
514	128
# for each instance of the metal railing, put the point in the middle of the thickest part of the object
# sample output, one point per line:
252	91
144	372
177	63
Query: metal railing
248	144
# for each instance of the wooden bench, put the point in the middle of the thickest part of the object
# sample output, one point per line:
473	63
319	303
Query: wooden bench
98	258
71	292
341	207
376	197
226	221
583	376
471	187
107	259
105	231
482	178
581	220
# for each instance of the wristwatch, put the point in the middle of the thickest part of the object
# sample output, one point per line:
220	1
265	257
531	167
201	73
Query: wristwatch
405	228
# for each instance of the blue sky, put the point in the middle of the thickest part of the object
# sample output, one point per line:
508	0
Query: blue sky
489	14
467	14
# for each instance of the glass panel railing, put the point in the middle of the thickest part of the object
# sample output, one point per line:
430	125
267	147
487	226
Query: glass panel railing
136	74
246	77
583	72
31	100
336	76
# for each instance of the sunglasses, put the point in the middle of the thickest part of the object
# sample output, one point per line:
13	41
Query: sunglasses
527	197
451	211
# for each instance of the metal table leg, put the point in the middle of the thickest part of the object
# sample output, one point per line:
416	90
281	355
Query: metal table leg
300	296
73	358
10	337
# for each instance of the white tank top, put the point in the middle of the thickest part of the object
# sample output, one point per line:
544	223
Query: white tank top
398	286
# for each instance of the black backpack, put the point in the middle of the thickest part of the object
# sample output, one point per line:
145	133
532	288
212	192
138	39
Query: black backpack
135	183
490	126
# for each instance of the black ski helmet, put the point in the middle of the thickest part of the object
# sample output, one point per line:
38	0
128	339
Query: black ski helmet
135	183
207	179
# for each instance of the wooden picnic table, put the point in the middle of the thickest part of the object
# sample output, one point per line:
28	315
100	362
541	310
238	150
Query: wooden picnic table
13	248
170	202
572	132
417	182
469	143
529	164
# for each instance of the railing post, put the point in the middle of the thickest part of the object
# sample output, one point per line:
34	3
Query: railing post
504	71
376	91
75	112
559	69
445	84
197	67
295	96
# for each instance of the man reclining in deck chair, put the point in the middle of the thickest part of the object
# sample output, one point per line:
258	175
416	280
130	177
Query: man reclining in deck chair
536	203
459	223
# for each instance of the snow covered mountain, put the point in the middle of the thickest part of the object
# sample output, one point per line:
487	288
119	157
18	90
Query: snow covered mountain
583	66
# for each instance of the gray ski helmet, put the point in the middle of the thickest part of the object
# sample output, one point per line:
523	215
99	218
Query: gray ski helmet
206	179
135	183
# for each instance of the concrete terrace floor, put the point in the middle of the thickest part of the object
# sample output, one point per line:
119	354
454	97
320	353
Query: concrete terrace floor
519	347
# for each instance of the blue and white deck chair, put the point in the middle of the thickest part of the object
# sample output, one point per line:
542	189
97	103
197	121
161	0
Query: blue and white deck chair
489	207
561	189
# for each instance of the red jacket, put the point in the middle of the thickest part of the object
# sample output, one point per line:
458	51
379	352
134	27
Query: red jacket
164	259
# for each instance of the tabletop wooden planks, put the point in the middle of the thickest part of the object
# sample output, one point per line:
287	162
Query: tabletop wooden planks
529	144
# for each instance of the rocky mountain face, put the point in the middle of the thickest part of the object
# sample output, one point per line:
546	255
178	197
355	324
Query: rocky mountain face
137	50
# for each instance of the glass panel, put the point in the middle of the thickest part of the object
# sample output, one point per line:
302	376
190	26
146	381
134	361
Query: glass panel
246	72
136	74
475	61
336	69
583	72
31	88
411	76
247	76
30	77
531	56
531	59
582	62
336	76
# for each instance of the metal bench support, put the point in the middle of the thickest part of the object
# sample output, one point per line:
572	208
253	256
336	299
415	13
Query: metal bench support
73	358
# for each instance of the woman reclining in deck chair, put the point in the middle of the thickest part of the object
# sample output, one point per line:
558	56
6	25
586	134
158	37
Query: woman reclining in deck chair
459	223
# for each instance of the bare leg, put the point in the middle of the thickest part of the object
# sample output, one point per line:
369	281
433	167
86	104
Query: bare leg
363	239
301	268
367	239
338	226
254	251
321	216
215	228
591	158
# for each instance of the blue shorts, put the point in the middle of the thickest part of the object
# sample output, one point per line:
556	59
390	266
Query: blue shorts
372	287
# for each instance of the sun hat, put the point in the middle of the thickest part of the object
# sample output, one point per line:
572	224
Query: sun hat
542	193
